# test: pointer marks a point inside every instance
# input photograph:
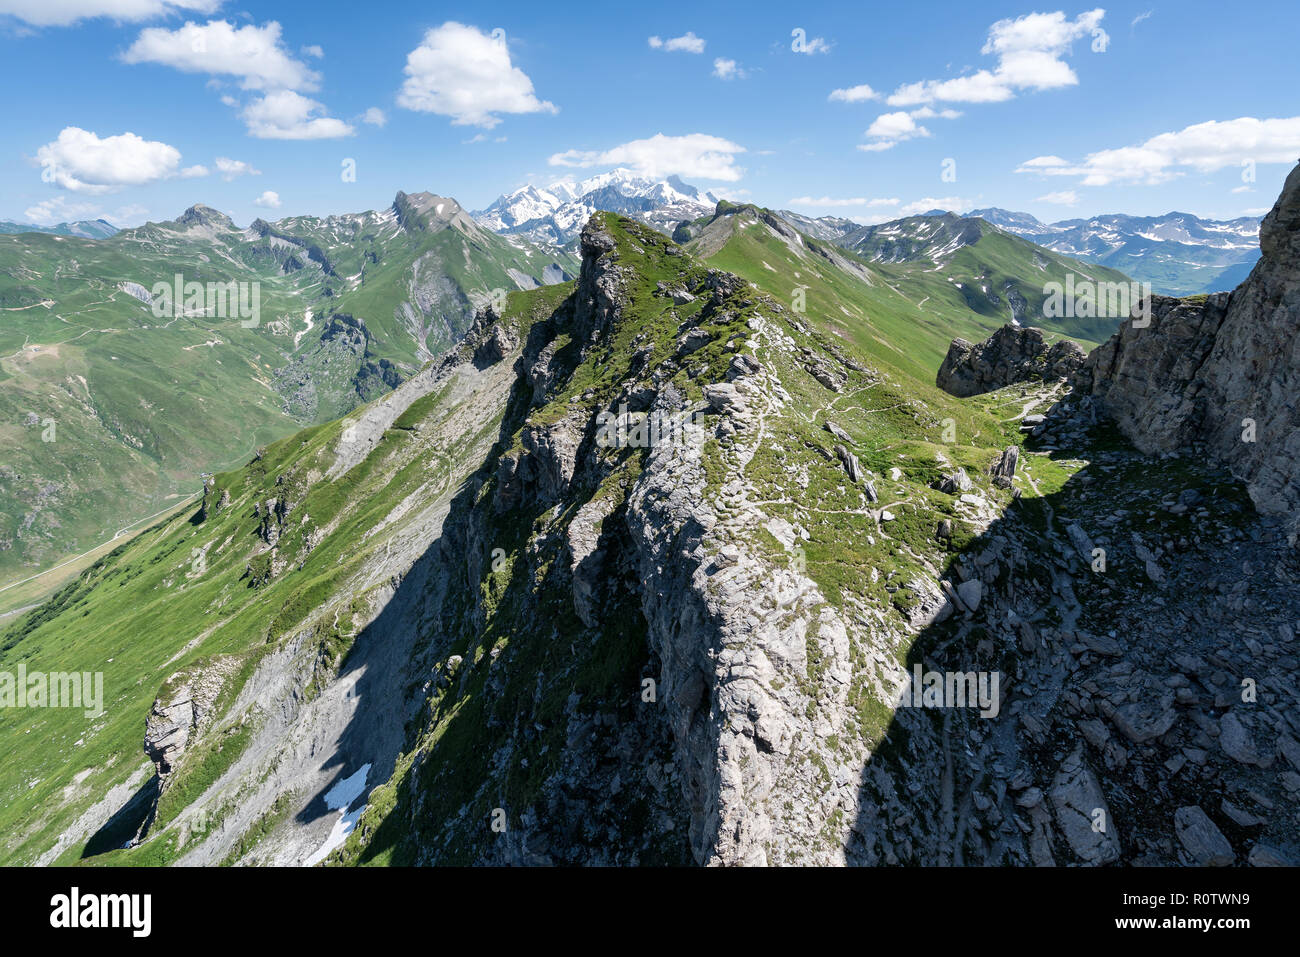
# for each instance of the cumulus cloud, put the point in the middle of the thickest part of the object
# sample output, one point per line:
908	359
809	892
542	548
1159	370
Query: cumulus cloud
286	115
890	129
686	43
462	72
1029	51
725	69
695	155
268	200
1202	147
927	113
257	58
61	13
82	161
232	168
374	116
252	54
854	94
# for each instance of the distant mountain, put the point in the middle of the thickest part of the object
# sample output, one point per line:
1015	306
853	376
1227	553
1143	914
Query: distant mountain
141	396
825	228
555	214
1178	253
933	236
86	228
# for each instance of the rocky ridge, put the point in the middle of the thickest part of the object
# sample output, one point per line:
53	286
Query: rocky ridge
1012	354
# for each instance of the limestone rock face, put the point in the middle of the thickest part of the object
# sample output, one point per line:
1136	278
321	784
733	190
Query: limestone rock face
183	708
1219	374
1012	354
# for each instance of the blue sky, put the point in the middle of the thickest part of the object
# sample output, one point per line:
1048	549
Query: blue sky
1061	111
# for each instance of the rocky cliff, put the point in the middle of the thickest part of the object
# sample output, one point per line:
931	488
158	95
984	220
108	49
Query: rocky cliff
1219	375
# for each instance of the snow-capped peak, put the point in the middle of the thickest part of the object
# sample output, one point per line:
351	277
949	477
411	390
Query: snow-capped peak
555	213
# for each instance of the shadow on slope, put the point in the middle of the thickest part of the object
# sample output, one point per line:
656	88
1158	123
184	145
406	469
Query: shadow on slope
1120	689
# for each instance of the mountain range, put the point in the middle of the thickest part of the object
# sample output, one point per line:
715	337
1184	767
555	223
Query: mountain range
1177	253
86	228
556	214
111	407
672	563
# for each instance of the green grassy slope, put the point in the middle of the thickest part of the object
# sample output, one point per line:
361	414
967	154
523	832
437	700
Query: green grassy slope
205	586
905	297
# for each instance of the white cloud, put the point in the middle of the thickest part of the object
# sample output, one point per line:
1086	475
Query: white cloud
1029	50
694	155
1065	197
890	129
259	60
1242	189
61	13
854	94
268	200
1203	147
687	43
1043	163
286	115
374	116
725	69
58	209
253	54
231	168
81	161
829	202
1140	17
956	204
314	51
927	113
462	72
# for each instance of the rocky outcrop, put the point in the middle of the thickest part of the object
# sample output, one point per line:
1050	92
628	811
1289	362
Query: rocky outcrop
1012	354
1218	376
183	708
